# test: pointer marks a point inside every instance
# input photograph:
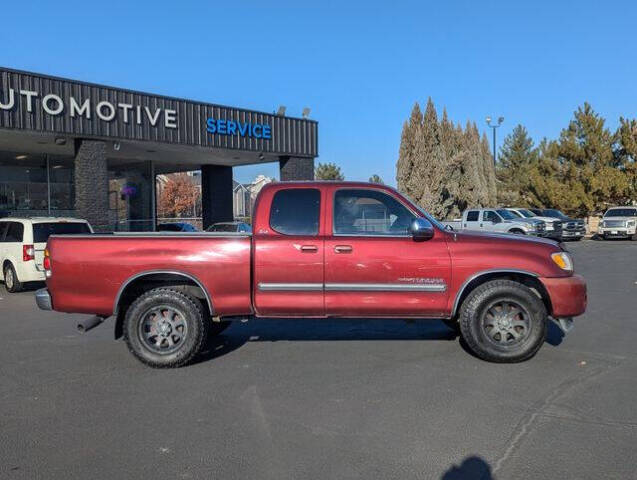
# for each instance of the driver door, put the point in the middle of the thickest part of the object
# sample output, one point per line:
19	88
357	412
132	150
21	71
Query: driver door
373	266
489	220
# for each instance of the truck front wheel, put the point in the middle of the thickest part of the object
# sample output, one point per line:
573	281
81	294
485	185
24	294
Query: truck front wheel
165	328
503	321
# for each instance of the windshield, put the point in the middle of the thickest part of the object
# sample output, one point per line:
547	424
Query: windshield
42	231
551	212
506	214
526	213
621	212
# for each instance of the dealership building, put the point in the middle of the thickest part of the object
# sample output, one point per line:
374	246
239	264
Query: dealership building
70	148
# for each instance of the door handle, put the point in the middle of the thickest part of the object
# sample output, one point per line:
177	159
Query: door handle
343	248
309	248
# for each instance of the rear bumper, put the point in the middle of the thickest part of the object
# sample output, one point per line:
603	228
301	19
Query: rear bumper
568	295
43	299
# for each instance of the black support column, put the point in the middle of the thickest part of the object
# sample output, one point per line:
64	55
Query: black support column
216	194
294	168
91	184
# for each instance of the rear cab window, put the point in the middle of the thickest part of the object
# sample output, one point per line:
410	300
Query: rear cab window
472	216
296	211
42	231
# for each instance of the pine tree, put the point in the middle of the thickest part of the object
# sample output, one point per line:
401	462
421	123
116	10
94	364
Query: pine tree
517	155
409	137
328	171
586	149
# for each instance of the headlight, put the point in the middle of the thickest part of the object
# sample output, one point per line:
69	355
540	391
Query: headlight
601	224
563	260
630	223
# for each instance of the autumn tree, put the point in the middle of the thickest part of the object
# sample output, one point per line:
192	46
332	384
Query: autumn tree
177	196
328	171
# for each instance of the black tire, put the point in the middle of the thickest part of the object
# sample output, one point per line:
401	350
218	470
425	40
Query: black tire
517	231
180	316
524	332
11	281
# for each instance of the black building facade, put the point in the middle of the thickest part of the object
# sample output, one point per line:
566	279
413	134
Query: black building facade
70	148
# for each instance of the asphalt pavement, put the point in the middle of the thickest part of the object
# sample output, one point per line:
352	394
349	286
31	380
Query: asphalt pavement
327	399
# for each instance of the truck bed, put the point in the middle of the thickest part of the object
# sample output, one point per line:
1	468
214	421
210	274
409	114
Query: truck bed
89	272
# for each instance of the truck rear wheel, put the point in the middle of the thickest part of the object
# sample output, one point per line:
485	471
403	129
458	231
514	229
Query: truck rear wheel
503	321
165	328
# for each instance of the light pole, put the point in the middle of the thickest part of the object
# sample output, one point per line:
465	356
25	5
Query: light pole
500	120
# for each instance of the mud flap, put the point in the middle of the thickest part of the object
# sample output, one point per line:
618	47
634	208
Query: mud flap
565	324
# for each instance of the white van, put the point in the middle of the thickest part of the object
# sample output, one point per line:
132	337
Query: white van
22	243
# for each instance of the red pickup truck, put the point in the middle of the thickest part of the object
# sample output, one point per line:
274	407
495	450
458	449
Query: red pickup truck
318	250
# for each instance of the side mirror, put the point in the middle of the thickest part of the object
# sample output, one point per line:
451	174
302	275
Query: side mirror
421	229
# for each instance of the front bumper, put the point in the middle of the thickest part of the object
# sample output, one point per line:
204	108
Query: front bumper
43	299
620	232
567	294
573	233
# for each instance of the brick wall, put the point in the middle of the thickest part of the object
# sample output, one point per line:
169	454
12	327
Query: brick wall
91	184
292	168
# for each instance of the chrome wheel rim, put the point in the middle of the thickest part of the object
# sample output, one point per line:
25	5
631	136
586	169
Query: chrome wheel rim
163	329
8	278
506	323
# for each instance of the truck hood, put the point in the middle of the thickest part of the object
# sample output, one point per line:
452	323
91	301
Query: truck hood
468	236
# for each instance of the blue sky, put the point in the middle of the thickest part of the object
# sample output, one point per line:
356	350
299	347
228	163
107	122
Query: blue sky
360	66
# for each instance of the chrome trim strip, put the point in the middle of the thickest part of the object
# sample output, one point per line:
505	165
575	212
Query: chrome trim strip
169	272
290	287
480	274
385	287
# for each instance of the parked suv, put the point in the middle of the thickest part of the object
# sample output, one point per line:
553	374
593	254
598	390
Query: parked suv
500	220
619	222
22	243
572	228
553	226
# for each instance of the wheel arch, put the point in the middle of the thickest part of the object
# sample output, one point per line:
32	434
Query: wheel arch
527	278
144	281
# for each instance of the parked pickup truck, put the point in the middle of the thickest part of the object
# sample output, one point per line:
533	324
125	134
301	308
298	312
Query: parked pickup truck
317	250
501	220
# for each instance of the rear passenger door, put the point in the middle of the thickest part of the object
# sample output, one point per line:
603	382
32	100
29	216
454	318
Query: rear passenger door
471	220
289	255
12	244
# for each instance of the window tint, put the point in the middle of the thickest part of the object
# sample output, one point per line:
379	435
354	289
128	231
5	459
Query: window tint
3	228
42	231
369	212
296	211
472	216
490	216
15	232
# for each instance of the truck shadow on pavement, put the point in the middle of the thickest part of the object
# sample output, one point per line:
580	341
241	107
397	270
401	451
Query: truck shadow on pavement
300	330
471	468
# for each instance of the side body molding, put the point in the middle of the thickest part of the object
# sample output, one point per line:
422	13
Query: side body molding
137	276
475	276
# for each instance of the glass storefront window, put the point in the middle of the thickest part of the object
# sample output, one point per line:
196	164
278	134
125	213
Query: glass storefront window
24	189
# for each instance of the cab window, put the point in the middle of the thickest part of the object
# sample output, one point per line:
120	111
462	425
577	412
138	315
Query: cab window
295	211
491	216
369	212
472	216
